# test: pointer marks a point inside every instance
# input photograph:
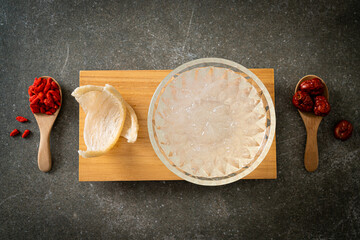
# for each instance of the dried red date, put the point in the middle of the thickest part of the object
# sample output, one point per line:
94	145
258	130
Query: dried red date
55	94
322	106
303	101
343	130
312	86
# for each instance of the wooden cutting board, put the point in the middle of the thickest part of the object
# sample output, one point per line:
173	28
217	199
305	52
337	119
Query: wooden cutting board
138	161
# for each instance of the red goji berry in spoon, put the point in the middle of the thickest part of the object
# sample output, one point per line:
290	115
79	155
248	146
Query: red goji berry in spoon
44	96
45	102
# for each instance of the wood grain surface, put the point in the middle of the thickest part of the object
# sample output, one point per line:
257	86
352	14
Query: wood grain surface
138	161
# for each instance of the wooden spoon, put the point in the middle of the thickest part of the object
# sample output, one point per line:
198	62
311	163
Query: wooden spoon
312	122
45	123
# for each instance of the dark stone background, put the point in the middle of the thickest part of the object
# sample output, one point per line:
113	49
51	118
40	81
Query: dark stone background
60	38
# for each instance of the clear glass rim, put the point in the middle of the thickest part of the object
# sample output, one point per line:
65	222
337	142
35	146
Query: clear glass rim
204	181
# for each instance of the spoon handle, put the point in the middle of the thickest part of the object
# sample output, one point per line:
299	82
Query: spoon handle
44	154
311	158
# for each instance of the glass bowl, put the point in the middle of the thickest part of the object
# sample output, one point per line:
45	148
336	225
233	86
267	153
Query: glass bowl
219	154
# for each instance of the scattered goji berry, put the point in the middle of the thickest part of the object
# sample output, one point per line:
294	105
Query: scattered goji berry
21	119
26	132
14	133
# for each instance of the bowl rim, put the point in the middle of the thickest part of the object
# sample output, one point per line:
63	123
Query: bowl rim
267	144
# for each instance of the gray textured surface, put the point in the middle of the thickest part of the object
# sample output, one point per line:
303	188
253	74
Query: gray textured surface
59	38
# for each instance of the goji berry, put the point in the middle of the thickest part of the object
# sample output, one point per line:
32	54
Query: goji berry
312	86
303	101
49	96
55	95
49	113
48	85
30	90
32	98
49	103
26	132
322	106
41	96
37	82
14	132
39	88
21	119
35	101
54	85
34	108
343	130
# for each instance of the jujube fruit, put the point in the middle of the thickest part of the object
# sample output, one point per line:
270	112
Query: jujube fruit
312	86
303	101
343	130
322	106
